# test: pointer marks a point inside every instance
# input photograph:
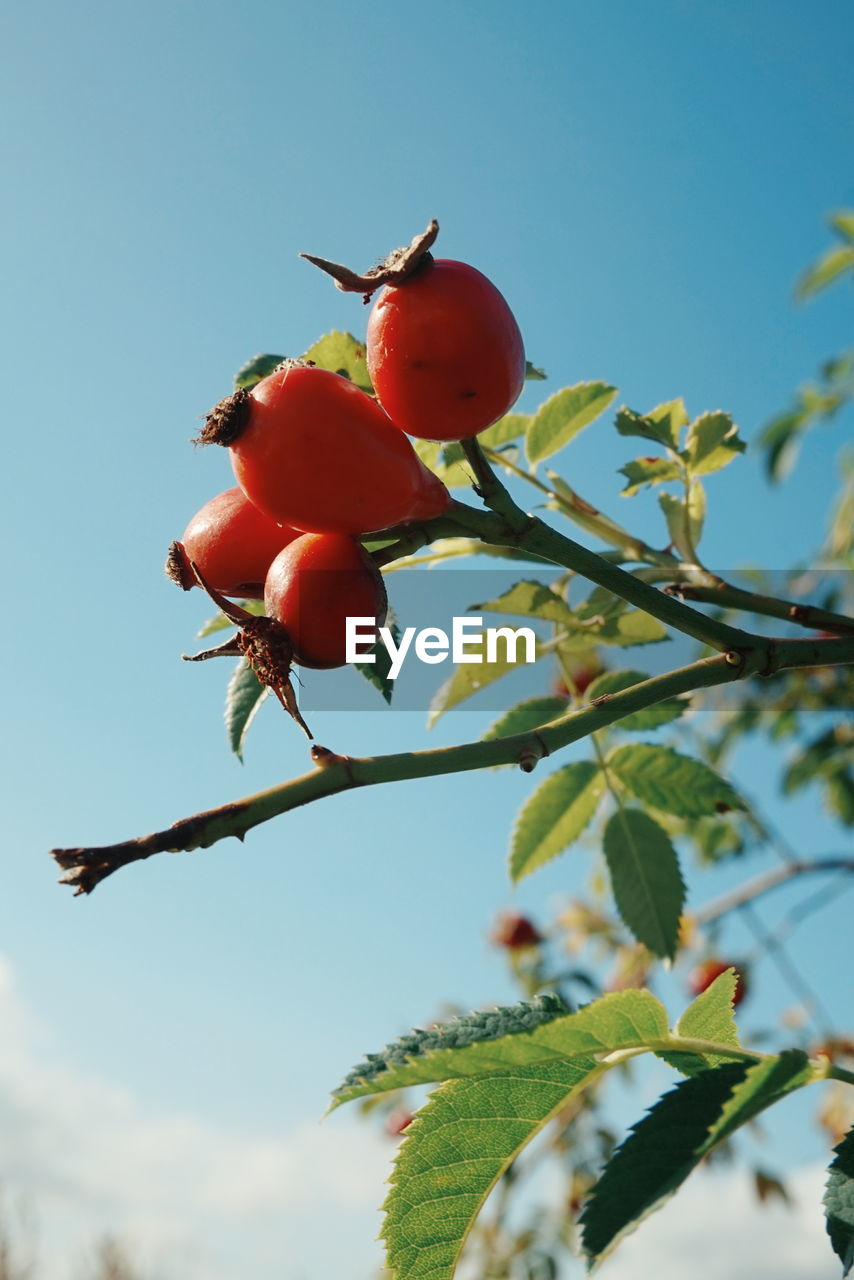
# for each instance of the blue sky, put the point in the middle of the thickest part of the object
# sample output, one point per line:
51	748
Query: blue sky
643	182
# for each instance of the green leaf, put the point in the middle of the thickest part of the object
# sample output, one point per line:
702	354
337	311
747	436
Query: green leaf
651	717
662	424
712	442
588	517
843	222
529	599
608	619
341	353
630	628
643	471
500	1040
508	428
565	414
254	370
645	878
219	622
829	268
765	1083
454	548
555	816
671	416
445	462
243	698
781	440
821	755
840	795
671	1140
454	1152
533	374
710	1017
526	716
470	677
839	1202
677	784
696	509
377	672
429	451
684	518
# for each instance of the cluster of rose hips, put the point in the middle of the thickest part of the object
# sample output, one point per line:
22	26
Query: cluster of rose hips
320	464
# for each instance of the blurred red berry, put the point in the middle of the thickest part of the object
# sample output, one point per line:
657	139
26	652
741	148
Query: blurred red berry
397	1121
704	974
513	931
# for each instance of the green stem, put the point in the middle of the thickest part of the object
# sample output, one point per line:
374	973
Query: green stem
531	534
85	867
719	592
586	516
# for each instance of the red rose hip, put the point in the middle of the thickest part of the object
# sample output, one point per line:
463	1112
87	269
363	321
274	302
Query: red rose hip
233	544
312	450
444	352
314	585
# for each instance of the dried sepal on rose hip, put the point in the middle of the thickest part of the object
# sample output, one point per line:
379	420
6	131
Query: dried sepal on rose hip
312	450
232	543
444	351
263	642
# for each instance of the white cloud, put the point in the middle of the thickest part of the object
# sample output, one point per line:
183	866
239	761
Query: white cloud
198	1203
715	1227
193	1201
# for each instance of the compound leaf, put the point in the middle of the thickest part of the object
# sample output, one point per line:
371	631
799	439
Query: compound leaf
453	1153
711	1016
470	677
254	370
508	428
630	628
377	672
243	699
682	1127
526	716
529	599
662	424
555	816
645	878
454	548
685	518
829	268
712	442
563	415
644	471
500	1040
839	1202
219	622
667	780
340	352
